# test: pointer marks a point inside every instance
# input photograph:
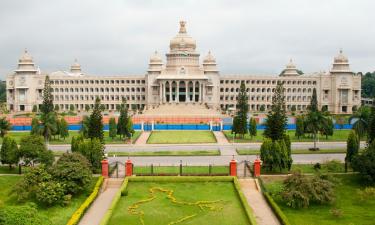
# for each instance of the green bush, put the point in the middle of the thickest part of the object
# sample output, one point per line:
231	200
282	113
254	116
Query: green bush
22	215
334	166
50	193
73	171
365	164
299	190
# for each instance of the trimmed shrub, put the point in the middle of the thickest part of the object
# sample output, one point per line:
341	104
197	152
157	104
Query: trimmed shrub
22	215
49	193
77	215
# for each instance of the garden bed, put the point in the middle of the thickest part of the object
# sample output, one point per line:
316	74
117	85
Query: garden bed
347	209
189	200
181	137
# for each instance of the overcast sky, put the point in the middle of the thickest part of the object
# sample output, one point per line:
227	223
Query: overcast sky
246	37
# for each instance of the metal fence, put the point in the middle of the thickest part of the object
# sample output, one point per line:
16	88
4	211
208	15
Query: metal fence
181	170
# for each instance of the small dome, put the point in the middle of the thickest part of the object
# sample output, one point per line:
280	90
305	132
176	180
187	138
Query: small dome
341	58
182	41
290	69
209	58
290	65
26	57
76	67
156	58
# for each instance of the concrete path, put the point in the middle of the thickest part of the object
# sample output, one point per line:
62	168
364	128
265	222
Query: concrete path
263	213
99	207
220	137
142	140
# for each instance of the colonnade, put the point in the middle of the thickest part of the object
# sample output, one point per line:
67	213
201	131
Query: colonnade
181	91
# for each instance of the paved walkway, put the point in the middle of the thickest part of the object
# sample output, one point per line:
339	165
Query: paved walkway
142	140
220	137
99	207
263	213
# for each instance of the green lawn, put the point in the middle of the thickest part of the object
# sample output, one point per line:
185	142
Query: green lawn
338	135
354	210
58	215
309	168
181	137
167	153
215	170
294	151
161	211
108	140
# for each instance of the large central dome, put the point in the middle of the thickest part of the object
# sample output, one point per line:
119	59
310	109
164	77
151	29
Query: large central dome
182	42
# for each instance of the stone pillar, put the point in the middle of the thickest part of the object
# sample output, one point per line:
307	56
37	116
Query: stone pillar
203	92
142	126
177	91
233	168
257	167
128	168
170	92
160	93
211	125
221	126
187	94
105	168
152	125
194	91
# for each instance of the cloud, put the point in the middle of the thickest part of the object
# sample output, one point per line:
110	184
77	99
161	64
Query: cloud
246	37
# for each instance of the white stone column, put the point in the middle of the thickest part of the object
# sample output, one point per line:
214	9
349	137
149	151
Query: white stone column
164	93
177	91
187	95
203	92
194	91
160	93
170	92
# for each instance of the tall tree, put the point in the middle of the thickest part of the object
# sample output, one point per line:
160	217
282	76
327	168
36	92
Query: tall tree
362	119
32	149
64	132
253	127
242	110
352	148
112	128
47	106
276	118
371	127
95	122
49	126
9	152
300	127
85	123
122	128
4	126
35	126
327	127
315	120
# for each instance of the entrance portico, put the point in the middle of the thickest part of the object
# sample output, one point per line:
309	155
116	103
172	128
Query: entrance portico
184	90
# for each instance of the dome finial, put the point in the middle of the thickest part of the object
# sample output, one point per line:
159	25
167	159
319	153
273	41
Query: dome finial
340	50
25	50
182	27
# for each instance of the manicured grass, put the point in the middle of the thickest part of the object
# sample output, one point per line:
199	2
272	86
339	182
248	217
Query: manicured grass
309	168
354	210
108	140
294	151
181	137
185	170
162	211
58	215
338	135
167	153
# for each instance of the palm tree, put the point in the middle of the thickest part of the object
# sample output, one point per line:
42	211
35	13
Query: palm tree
315	121
4	126
362	117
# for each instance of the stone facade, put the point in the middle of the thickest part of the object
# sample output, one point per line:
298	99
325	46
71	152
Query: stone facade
183	79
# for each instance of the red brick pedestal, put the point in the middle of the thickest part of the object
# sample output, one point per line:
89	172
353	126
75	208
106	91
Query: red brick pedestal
128	168
233	168
105	168
257	168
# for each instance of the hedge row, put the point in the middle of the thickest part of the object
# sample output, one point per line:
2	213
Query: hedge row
77	215
275	208
113	205
248	210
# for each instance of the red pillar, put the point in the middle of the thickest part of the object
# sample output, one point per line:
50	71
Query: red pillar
105	168
233	168
128	168
257	168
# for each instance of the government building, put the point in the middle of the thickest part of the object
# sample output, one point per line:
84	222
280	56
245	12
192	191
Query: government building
183	80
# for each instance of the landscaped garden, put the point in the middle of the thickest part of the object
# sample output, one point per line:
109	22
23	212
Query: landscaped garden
187	200
338	135
167	153
351	205
181	137
18	135
56	215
